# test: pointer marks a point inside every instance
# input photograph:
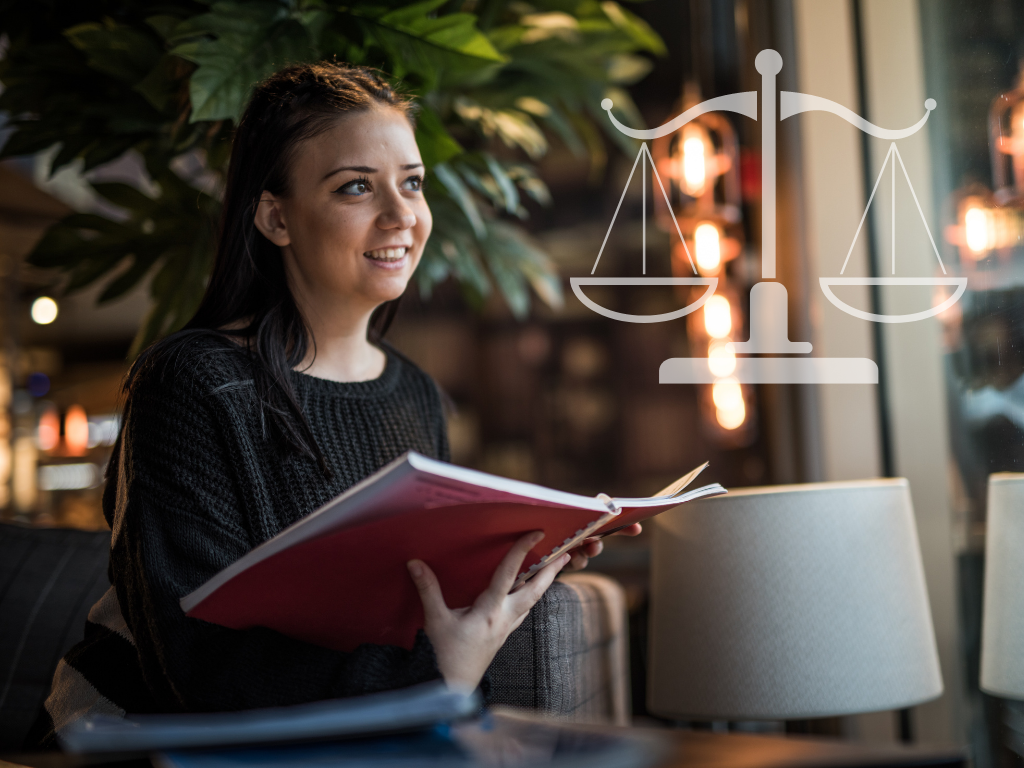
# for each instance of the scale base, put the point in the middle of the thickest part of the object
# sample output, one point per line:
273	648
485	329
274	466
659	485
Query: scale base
769	323
773	370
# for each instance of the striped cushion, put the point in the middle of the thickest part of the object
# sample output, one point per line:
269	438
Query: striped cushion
570	656
49	578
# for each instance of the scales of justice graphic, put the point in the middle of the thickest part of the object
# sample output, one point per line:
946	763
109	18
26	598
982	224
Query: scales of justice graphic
769	300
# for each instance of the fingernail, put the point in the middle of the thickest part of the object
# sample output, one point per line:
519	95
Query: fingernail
415	568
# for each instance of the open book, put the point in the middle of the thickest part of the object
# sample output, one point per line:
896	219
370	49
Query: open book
337	578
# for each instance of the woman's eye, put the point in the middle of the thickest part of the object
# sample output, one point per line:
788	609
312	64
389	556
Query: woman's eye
414	183
354	187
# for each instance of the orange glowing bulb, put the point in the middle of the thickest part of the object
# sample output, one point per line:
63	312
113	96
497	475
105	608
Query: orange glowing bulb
721	358
977	229
48	431
76	431
730	410
707	243
694	171
718	317
731	418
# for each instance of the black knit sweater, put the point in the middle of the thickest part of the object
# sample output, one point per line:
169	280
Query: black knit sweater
194	484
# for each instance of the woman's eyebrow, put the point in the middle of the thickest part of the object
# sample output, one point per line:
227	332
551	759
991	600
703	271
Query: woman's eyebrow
359	168
368	169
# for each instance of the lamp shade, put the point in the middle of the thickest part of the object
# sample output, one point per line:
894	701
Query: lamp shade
790	602
1002	626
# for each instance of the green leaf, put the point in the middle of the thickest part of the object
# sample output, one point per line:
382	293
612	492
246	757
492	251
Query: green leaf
456	188
316	23
235	46
510	282
638	30
115	49
92	222
59	247
128	279
429	46
513	127
161	86
103	152
561	125
528	181
479	180
432	269
626	69
77	238
507	186
595	147
127	197
28	142
69	250
89	271
453	250
464	263
163	24
453	32
163	291
507	37
177	288
435	143
514	261
467	268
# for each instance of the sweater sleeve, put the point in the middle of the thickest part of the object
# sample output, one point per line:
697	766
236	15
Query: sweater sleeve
443	408
177	521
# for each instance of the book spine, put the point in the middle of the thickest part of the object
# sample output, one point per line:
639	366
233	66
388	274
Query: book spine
570	543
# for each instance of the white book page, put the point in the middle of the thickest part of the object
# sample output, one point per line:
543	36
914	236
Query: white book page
670	501
596	528
668	492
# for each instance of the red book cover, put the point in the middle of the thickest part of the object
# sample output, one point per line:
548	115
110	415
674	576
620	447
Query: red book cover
338	578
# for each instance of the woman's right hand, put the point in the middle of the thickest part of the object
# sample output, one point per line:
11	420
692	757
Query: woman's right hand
465	640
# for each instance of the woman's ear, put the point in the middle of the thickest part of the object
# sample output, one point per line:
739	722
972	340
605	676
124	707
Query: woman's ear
270	220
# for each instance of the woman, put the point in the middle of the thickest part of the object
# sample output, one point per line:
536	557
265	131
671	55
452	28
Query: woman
275	398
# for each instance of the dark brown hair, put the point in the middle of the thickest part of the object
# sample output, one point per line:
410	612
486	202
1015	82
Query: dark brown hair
248	291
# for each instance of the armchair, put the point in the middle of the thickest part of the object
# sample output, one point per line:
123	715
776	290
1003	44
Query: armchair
568	658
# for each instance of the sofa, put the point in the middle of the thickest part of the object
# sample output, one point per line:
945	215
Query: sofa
569	658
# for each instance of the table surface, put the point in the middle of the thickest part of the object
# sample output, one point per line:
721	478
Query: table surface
701	749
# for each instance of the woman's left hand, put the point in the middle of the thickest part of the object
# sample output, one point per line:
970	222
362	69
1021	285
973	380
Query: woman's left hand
593	547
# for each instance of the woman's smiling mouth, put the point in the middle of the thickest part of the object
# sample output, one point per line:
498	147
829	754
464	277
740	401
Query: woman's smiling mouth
387	255
389	258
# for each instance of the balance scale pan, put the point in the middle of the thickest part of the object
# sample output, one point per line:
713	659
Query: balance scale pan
828	282
710	282
773	370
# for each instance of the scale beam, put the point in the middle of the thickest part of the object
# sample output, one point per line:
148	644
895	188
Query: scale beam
742	103
791	103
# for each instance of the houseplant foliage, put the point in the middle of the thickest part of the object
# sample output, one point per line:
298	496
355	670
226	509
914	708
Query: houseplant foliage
495	81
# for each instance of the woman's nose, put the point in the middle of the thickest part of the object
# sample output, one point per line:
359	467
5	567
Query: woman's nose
396	213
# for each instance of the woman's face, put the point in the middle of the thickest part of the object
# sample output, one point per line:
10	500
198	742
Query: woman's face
354	222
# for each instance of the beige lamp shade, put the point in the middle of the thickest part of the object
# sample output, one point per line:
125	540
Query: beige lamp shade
1002	626
790	602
